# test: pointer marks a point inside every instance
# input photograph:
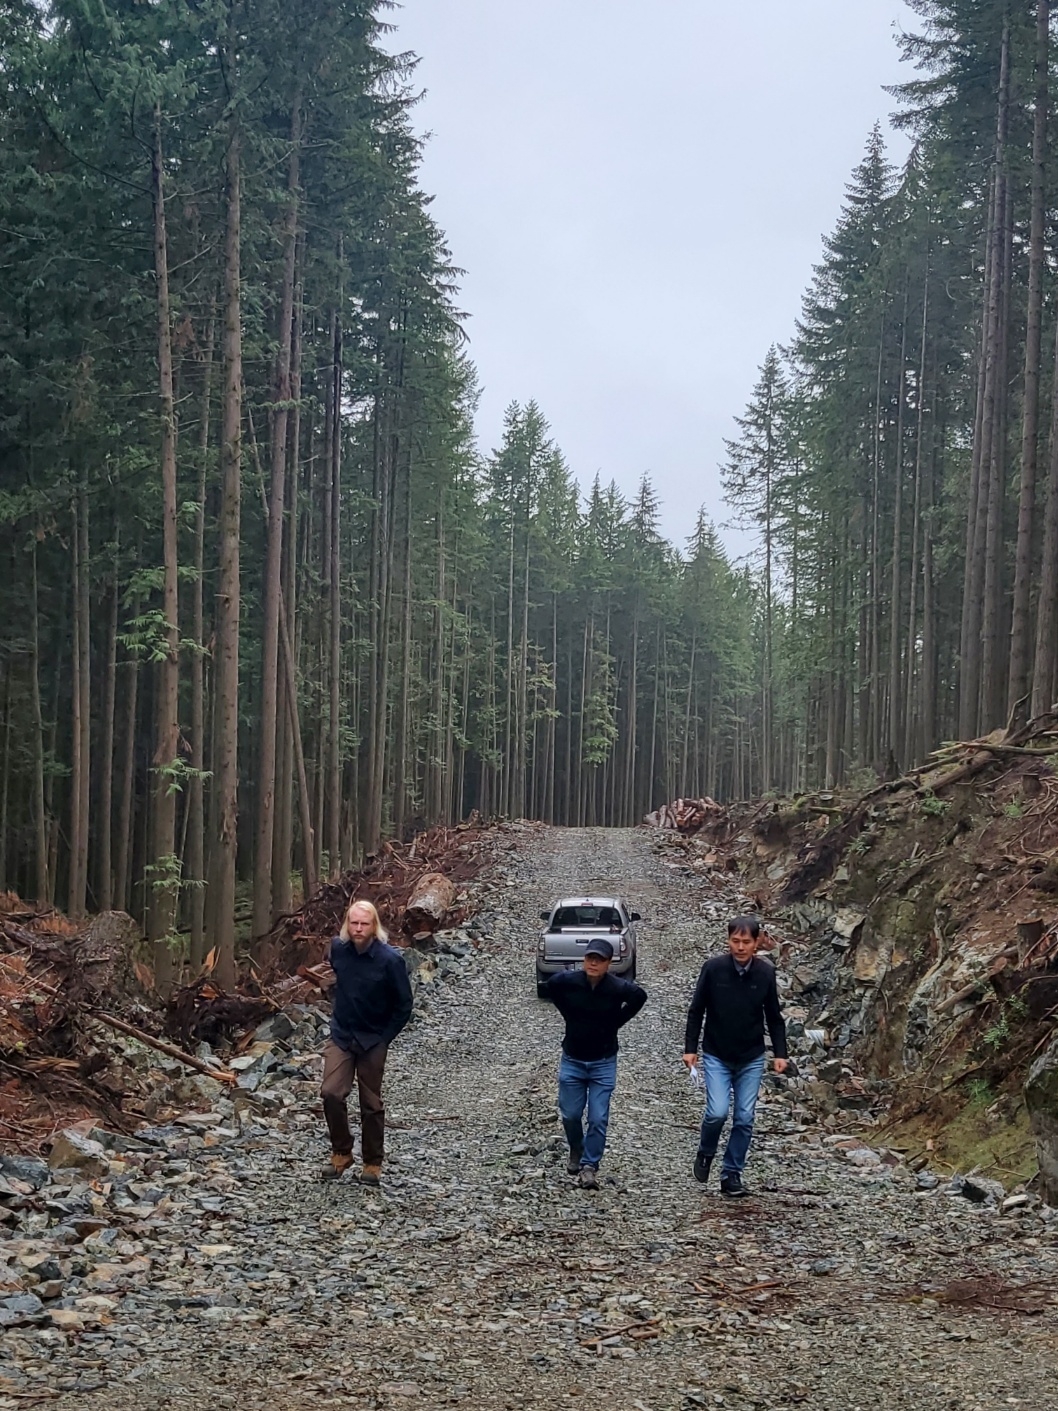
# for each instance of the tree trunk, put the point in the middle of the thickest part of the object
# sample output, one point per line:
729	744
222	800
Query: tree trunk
80	718
195	866
164	869
224	794
1018	677
334	616
1046	658
106	763
282	851
992	694
40	814
971	674
273	587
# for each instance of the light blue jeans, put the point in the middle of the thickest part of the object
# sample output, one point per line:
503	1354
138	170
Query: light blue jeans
586	1084
721	1080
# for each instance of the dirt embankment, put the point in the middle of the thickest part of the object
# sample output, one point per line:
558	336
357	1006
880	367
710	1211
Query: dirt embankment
920	922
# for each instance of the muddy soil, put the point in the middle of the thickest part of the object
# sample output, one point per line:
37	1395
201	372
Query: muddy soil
480	1276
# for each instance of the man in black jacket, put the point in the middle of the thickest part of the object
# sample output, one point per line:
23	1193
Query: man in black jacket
736	994
594	1005
372	1004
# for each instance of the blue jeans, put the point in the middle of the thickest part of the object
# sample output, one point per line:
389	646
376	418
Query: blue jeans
586	1083
721	1079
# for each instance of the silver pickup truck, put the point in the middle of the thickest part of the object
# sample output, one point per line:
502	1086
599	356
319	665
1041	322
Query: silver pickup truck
574	921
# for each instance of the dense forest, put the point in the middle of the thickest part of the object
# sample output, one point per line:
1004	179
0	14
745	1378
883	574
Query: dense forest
265	600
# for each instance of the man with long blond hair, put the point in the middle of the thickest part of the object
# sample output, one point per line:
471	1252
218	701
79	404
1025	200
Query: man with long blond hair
372	1004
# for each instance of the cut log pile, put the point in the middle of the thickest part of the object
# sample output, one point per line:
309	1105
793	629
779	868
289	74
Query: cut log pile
685	815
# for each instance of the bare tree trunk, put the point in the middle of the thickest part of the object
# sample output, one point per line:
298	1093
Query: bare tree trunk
163	870
126	802
896	561
910	740
224	793
196	832
40	815
273	587
106	764
307	834
334	616
992	694
972	673
282	852
1046	658
1018	677
80	720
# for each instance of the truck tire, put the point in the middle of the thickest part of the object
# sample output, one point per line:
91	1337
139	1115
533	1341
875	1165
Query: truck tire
632	969
541	986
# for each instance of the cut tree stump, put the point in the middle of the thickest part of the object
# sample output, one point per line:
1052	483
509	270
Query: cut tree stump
432	898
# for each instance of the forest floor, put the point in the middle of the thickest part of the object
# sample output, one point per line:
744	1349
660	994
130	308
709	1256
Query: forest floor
225	1275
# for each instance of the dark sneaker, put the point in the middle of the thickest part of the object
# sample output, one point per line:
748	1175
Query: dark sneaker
589	1178
731	1186
573	1164
702	1165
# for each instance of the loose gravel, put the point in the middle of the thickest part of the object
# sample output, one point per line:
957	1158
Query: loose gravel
222	1274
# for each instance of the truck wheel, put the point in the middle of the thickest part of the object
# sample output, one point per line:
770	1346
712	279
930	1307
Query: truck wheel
541	987
632	971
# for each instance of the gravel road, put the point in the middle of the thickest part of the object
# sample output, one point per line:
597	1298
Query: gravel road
481	1276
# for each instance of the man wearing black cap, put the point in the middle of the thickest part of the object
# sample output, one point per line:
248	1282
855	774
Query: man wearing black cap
594	1005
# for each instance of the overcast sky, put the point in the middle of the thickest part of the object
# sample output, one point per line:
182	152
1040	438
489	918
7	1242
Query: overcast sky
637	196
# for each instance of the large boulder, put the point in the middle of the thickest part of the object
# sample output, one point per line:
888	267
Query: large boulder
1041	1099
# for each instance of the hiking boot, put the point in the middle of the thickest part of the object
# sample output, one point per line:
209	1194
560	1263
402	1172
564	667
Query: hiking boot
573	1164
731	1186
702	1166
589	1178
337	1166
371	1176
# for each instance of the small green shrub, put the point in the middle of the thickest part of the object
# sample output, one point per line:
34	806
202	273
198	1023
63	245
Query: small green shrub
980	1092
933	807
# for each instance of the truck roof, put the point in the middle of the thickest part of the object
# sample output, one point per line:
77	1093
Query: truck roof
586	901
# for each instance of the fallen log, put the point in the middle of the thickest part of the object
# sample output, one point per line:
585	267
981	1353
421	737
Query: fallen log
221	1075
432	898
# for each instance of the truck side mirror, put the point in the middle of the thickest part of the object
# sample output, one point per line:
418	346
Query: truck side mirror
634	916
545	916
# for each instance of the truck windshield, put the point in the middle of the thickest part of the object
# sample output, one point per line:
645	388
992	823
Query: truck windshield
575	918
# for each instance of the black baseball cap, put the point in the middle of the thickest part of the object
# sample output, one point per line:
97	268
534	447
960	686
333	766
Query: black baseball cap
599	947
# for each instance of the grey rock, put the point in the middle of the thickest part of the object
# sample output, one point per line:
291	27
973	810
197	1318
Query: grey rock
26	1168
72	1150
979	1189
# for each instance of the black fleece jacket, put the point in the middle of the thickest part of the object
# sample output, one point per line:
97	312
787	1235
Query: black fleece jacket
593	1013
735	1006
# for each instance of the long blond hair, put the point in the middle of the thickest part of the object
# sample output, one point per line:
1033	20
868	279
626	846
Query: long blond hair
377	929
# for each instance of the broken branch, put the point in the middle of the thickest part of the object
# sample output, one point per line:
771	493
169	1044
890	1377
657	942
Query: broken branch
220	1075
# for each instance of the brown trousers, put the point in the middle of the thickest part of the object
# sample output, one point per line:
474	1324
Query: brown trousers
340	1070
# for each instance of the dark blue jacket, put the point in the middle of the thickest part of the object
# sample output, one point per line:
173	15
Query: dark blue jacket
372	994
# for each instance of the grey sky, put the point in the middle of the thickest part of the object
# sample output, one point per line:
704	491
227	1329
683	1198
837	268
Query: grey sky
638	196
